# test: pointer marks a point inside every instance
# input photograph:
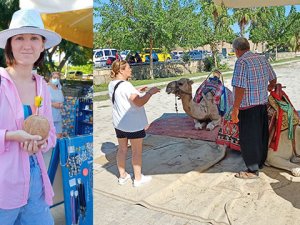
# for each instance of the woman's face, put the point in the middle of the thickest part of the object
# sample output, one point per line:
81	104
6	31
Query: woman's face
55	76
27	48
55	79
127	71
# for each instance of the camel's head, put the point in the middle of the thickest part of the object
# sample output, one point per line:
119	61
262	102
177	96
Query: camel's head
171	87
184	85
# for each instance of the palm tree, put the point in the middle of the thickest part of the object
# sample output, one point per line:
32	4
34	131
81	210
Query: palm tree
216	26
243	18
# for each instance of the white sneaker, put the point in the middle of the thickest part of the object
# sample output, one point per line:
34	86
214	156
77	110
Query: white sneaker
143	180
122	181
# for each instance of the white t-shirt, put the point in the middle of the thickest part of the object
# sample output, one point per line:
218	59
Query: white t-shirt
126	116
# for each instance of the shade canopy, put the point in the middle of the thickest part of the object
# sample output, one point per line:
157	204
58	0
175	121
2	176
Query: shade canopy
72	19
255	3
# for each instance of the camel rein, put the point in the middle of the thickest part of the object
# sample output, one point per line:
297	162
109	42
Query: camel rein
179	91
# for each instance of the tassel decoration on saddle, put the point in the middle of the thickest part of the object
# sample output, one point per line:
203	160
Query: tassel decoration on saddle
285	105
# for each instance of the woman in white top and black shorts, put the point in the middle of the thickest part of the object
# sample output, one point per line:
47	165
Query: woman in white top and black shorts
129	120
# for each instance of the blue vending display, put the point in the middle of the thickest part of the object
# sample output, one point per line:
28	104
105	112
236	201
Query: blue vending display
84	116
76	160
69	118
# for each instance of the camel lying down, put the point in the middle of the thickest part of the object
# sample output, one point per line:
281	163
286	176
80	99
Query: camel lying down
284	157
205	112
206	115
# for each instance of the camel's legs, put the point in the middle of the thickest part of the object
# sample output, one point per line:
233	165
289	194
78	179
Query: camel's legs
211	125
282	163
199	125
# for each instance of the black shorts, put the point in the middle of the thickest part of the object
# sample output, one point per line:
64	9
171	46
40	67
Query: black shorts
130	135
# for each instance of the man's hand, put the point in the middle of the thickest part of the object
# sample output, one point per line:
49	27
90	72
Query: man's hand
235	115
238	97
272	85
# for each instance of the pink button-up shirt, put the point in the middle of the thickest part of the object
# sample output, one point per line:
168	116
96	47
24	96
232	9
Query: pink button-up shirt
14	161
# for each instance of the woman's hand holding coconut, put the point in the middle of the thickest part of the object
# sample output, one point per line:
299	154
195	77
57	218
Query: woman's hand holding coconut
36	125
34	146
30	143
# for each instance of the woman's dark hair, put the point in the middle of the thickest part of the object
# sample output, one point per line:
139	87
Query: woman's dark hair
10	59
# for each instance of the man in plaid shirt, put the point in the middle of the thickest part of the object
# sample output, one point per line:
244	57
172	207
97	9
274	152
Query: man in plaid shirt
252	78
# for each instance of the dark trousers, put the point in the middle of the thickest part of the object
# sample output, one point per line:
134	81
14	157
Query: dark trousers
254	136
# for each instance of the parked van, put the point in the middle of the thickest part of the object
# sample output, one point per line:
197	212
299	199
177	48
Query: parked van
100	56
177	54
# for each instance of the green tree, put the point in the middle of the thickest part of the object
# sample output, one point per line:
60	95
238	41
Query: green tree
294	41
7	8
273	27
192	36
216	26
71	53
138	24
257	31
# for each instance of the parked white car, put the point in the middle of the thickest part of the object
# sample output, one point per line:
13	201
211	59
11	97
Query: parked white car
101	55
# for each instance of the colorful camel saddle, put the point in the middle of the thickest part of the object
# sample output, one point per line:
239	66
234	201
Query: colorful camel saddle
281	115
222	96
228	133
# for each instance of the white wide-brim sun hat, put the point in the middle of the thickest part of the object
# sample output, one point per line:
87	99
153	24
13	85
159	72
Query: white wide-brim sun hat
29	21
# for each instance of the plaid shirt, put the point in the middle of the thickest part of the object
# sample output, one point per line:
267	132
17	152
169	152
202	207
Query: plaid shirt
253	73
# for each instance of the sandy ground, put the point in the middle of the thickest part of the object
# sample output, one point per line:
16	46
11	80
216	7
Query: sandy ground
111	210
104	136
108	210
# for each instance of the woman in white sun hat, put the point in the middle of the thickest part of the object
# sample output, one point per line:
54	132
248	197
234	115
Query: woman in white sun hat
25	190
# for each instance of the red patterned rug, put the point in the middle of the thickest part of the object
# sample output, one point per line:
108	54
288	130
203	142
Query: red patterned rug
180	125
